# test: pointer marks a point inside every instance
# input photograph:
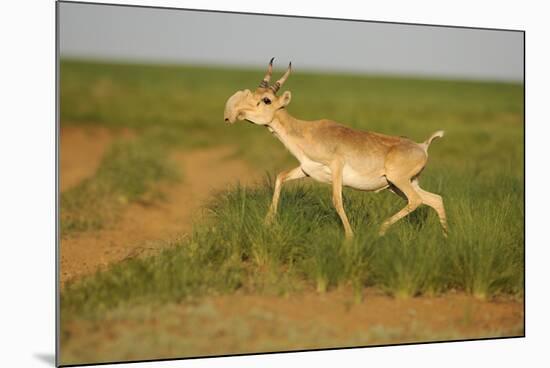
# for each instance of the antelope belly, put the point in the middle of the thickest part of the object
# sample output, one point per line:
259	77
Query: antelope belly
317	171
363	181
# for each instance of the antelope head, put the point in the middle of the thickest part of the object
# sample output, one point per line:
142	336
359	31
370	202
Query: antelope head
258	107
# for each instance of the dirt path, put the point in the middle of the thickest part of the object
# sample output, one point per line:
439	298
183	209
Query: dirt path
145	227
81	151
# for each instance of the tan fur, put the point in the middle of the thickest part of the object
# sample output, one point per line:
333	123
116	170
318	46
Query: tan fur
333	153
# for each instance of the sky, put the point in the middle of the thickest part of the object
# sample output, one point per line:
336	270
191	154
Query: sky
242	40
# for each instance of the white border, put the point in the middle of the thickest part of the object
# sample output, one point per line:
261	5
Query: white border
27	181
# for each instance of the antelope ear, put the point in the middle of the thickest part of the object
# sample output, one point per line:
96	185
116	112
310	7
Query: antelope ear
285	98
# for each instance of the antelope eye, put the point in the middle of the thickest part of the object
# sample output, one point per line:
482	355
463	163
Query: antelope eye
266	101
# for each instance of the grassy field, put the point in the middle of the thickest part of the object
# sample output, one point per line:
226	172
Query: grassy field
477	168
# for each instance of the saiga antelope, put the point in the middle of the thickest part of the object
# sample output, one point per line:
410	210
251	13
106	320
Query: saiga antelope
333	153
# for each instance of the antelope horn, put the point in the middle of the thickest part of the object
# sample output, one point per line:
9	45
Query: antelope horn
265	82
283	79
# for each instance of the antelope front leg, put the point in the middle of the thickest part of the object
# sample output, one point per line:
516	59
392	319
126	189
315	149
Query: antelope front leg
337	198
295	173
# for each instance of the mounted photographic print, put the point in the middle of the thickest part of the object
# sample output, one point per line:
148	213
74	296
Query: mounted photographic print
235	183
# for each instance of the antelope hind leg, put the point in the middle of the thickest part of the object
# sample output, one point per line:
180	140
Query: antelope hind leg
413	198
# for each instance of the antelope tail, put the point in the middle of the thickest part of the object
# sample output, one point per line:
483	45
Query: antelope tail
427	142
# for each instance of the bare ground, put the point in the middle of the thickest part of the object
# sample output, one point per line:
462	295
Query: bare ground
143	226
239	323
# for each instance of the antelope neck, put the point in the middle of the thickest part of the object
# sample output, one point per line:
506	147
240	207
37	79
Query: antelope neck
286	126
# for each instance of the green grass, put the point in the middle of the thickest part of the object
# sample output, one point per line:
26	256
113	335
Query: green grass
477	168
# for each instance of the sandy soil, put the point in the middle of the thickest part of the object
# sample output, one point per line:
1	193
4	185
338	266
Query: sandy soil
455	312
144	226
238	323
